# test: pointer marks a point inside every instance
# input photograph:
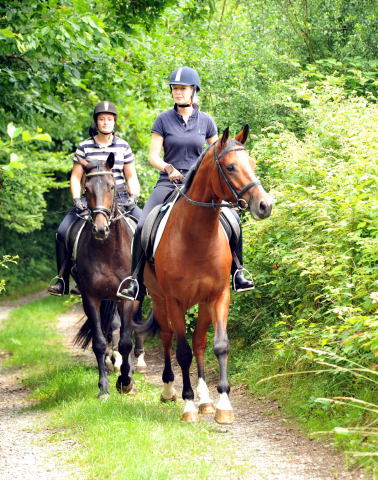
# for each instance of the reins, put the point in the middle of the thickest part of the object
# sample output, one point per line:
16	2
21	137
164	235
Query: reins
240	203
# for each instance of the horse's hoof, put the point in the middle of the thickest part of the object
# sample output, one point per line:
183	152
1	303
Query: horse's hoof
190	417
166	400
103	396
206	408
224	417
141	369
129	389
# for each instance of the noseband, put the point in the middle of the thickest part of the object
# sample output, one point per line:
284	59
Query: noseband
240	203
108	213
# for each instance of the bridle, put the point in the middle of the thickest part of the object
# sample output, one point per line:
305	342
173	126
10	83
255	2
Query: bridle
240	203
107	212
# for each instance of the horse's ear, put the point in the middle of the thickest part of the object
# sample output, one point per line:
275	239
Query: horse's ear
243	135
110	161
225	136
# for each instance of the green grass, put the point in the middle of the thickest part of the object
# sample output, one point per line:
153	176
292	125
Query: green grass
299	396
121	438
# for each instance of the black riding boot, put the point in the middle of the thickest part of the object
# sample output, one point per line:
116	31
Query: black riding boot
239	282
63	262
135	288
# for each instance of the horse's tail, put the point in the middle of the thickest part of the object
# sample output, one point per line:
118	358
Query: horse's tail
108	310
149	326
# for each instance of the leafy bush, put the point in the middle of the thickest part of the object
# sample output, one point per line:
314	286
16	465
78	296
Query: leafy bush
315	259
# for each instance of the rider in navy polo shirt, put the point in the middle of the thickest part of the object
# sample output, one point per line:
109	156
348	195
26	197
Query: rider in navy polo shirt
181	133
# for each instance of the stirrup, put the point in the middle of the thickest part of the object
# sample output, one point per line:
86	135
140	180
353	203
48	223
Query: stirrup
242	269
57	277
120	289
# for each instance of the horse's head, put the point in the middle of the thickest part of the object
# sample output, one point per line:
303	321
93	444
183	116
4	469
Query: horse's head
100	194
236	179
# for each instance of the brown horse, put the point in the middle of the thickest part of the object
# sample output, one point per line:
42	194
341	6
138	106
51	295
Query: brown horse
103	259
192	266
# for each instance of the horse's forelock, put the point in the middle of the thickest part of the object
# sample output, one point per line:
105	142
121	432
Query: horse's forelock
95	165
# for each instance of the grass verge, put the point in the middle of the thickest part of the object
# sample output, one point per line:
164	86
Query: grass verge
122	438
315	396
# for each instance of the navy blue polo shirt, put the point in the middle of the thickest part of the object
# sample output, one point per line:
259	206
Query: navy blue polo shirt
183	142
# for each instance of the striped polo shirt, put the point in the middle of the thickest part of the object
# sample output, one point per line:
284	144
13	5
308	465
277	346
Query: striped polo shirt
91	151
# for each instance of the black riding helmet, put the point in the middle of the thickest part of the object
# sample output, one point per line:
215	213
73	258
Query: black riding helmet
102	107
185	76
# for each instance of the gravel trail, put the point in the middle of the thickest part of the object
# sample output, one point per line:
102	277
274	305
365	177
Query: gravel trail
267	446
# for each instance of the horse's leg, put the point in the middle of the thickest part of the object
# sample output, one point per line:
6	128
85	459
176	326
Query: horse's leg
141	366
219	312
168	393
206	405
125	382
91	308
116	357
175	317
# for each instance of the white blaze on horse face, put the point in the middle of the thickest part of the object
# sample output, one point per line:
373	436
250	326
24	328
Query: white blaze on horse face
224	402
169	391
203	392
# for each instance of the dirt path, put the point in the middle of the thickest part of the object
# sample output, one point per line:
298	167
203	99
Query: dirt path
268	447
24	453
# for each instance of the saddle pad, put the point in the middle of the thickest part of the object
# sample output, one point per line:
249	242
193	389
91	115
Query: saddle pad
154	225
130	222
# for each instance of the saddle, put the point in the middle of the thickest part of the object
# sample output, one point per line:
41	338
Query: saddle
156	221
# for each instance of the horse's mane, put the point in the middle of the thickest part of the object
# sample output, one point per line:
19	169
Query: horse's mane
193	170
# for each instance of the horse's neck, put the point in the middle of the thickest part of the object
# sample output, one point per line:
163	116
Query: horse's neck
201	191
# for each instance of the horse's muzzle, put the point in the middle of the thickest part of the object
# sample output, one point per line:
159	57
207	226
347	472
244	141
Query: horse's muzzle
100	233
261	206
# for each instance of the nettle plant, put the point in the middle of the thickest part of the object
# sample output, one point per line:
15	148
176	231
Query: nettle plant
318	253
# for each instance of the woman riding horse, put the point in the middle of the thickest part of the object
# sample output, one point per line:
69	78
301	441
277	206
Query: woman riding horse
181	132
101	143
192	265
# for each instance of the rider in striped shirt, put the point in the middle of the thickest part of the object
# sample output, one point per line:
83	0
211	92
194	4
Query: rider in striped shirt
101	143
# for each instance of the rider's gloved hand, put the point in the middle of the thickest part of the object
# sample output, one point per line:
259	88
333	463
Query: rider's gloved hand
79	206
131	201
173	174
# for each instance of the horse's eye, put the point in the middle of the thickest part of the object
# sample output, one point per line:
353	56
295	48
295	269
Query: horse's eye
230	168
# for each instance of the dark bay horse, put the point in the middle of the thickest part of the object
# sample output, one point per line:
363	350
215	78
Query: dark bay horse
192	266
103	259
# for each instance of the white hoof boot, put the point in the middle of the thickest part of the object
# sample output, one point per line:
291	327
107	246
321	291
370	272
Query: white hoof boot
224	413
205	404
117	359
190	414
141	365
169	393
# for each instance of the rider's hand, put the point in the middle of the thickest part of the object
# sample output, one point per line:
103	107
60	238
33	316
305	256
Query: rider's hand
79	206
131	201
173	174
